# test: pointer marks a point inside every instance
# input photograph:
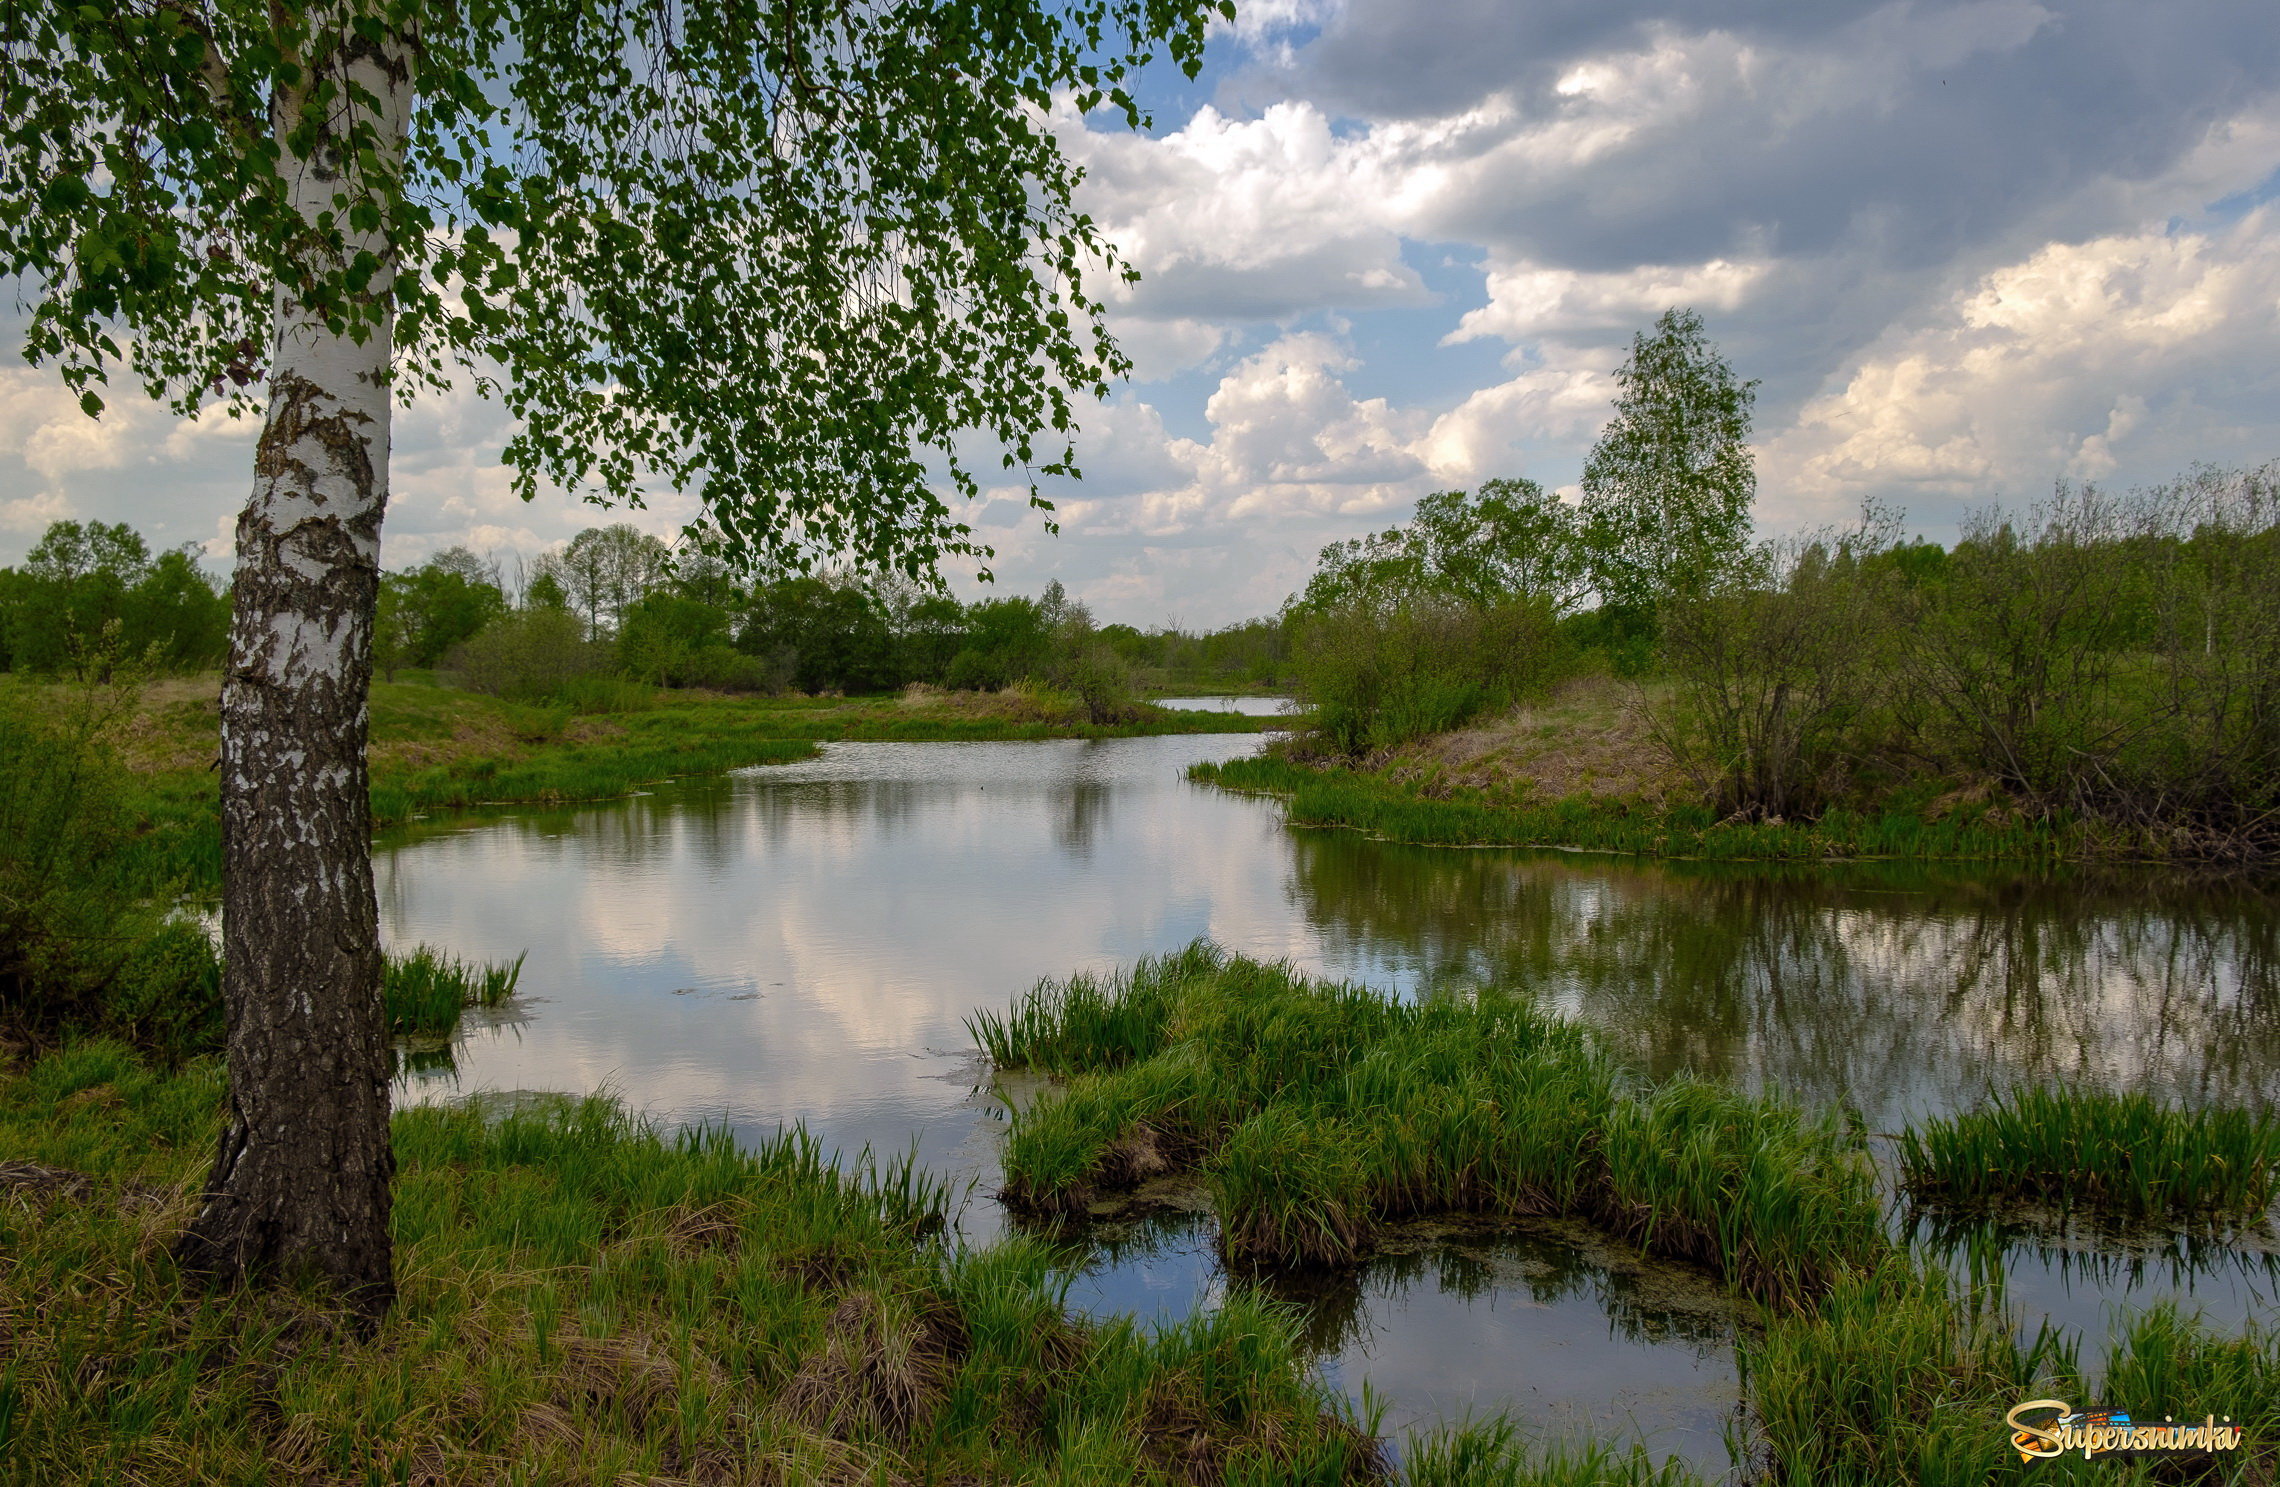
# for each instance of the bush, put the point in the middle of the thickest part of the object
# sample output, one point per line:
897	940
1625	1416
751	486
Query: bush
1775	670
2101	659
1101	679
671	640
1377	677
974	671
81	946
528	656
166	995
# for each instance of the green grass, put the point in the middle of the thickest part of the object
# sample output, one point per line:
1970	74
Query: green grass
1900	1376
1365	801
1317	1111
2127	1154
587	1299
425	990
1496	1453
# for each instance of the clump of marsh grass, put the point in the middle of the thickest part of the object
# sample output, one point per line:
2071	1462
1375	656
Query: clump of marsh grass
1897	1375
1781	1202
1901	1374
426	989
586	1298
2126	1154
1495	1453
1315	1111
2166	1365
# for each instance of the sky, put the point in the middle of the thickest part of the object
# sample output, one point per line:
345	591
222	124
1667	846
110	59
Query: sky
1967	250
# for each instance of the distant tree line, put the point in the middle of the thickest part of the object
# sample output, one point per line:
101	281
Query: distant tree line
617	603
90	596
2102	657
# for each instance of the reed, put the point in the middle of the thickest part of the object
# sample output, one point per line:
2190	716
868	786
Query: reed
1784	1203
1293	1190
2162	1363
587	1298
1496	1453
1896	1376
425	990
1086	1023
2127	1154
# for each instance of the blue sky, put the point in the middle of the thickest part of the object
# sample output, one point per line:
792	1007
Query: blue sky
1968	249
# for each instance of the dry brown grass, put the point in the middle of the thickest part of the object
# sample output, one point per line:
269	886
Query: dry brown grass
1592	737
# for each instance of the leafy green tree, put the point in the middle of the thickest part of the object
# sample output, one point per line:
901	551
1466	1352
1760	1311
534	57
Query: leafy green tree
546	592
609	569
931	632
72	605
671	639
1006	640
833	635
174	617
430	609
774	254
1667	489
1512	540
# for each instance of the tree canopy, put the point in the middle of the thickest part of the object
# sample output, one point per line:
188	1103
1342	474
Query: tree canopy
1667	489
781	255
1511	540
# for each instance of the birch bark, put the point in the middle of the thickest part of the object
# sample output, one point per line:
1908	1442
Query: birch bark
300	1184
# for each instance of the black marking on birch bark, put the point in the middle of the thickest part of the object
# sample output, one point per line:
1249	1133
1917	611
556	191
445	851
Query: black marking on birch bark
300	1184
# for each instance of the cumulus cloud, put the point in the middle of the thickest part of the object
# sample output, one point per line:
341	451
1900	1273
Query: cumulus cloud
1531	301
1256	219
1966	246
2138	351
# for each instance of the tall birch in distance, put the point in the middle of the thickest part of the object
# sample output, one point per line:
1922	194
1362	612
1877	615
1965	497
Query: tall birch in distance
1667	488
781	254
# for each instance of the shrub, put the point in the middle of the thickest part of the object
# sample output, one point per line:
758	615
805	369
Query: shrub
1775	669
974	671
605	694
527	656
1100	679
1377	677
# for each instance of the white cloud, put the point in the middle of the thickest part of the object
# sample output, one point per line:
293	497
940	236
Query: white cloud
1529	301
1256	219
2142	350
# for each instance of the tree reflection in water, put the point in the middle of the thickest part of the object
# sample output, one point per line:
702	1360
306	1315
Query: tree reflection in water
1899	989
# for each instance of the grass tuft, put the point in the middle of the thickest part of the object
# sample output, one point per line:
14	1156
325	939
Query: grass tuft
1316	1111
427	989
2126	1154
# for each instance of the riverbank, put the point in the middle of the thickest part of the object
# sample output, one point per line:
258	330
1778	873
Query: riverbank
1584	771
585	1299
1384	804
436	748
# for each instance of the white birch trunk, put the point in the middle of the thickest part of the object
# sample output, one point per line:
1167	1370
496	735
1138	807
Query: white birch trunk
300	1184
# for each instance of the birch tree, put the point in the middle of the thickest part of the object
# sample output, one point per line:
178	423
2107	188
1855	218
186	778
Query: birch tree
1668	487
781	254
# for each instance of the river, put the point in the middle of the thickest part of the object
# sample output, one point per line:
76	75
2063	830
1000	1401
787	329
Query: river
804	943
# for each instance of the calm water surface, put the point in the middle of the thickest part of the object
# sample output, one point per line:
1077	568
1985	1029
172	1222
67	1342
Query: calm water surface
804	943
